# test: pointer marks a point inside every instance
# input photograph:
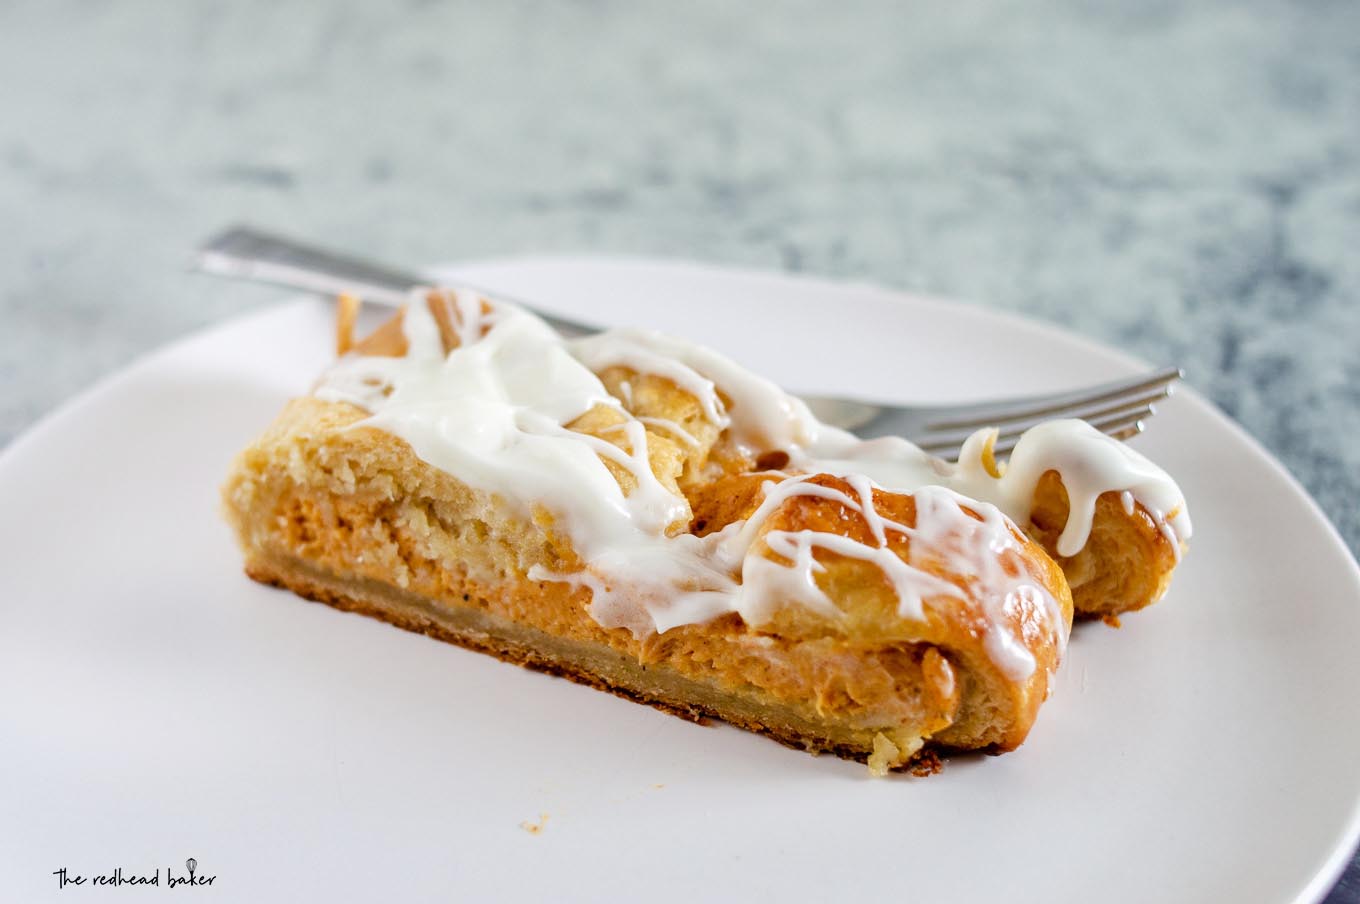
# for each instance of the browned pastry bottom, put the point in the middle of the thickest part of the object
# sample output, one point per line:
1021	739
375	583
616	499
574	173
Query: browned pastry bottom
685	699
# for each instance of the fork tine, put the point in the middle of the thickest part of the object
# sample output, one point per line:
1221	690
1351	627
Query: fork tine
1125	427
1124	419
1130	431
1119	428
997	412
1091	413
1120	424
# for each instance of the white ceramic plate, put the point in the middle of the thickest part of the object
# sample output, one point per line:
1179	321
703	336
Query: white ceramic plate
158	706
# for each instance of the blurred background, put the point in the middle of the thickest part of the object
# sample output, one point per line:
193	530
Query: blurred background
1182	181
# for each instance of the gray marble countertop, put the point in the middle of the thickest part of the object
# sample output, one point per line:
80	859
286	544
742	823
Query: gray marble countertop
1181	181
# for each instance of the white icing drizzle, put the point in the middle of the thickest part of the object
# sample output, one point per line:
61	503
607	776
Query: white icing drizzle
494	412
944	534
761	415
1089	463
671	427
636	349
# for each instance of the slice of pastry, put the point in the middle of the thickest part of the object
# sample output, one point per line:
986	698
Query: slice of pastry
644	516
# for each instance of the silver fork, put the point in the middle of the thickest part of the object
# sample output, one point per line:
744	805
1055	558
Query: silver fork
1120	408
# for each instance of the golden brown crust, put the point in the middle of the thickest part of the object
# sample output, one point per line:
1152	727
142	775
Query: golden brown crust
387	340
346	315
924	762
1126	563
870	607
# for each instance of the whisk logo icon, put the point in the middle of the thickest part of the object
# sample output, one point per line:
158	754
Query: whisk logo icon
191	880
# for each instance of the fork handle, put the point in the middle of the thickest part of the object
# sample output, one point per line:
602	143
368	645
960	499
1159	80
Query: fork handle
243	252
